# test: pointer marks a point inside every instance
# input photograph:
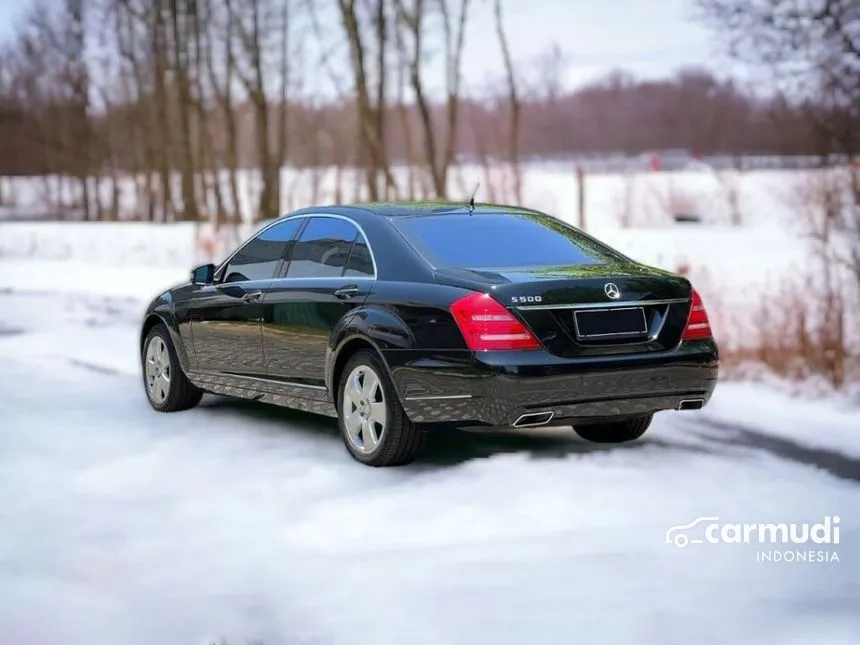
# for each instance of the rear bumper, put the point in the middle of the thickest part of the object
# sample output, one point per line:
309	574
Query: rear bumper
497	388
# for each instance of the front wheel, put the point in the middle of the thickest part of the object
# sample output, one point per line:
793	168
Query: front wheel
374	427
167	387
616	431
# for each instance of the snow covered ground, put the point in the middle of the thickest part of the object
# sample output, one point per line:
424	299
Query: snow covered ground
735	267
250	523
720	258
639	197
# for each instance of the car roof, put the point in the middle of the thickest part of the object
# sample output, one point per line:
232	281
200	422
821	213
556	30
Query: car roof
426	208
411	209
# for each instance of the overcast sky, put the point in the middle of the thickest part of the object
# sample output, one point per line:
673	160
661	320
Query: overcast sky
648	37
651	38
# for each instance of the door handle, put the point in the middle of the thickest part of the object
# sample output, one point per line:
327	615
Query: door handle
346	292
252	296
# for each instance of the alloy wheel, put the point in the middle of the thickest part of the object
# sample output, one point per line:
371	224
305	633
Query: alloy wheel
364	409
158	370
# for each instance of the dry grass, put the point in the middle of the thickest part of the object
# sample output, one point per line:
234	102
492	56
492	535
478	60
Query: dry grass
807	326
797	330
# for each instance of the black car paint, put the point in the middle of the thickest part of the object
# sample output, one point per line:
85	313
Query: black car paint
255	350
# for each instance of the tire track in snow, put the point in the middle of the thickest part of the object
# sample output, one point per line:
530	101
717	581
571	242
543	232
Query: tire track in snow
737	435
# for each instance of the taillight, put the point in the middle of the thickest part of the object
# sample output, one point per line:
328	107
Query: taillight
698	326
487	325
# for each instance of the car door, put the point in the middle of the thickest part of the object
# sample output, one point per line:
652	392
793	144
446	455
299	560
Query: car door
329	272
226	316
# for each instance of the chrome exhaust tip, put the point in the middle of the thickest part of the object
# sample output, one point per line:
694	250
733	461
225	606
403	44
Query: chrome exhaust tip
533	419
691	404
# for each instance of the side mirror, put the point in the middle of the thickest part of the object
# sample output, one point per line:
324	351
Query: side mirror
204	274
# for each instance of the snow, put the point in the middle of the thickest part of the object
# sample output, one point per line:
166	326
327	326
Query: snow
251	523
761	408
642	198
82	278
631	211
758	255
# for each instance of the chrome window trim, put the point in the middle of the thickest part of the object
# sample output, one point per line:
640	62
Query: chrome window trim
281	220
264	282
333	278
605	305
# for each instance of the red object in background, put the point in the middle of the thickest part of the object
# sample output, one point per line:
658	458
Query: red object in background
655	164
683	269
487	325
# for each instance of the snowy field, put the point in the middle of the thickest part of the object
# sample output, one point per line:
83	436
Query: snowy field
251	523
633	212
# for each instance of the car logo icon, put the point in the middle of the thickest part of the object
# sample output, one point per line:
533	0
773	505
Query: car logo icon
679	535
611	291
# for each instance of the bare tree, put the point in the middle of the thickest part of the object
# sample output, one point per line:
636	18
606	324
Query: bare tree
413	21
369	118
548	81
221	80
814	50
252	20
139	117
514	107
73	44
182	12
187	95
159	44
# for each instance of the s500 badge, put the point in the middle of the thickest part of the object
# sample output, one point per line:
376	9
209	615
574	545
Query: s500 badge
521	300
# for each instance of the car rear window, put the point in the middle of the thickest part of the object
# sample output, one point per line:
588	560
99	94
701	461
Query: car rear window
503	240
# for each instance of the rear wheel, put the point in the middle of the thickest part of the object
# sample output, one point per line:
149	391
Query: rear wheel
374	427
167	387
616	431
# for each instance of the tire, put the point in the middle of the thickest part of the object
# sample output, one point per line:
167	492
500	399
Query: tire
392	439
166	386
615	432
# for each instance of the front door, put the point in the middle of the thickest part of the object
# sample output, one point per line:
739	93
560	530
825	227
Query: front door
329	272
225	326
226	317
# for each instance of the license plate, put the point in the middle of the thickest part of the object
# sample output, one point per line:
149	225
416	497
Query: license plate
606	323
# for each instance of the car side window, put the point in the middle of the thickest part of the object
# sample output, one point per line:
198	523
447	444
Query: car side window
323	248
360	262
259	258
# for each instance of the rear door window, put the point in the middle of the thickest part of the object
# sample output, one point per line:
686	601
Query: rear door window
360	262
501	240
323	249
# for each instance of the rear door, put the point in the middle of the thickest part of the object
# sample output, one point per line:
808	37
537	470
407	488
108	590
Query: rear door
226	316
330	271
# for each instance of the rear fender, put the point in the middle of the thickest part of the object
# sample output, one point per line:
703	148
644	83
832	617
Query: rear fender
374	326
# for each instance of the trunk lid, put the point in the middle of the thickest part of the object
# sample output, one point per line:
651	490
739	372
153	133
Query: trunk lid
587	310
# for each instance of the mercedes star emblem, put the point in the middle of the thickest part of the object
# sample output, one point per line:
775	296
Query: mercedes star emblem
611	291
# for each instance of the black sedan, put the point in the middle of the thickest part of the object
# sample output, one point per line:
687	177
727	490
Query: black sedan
398	319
